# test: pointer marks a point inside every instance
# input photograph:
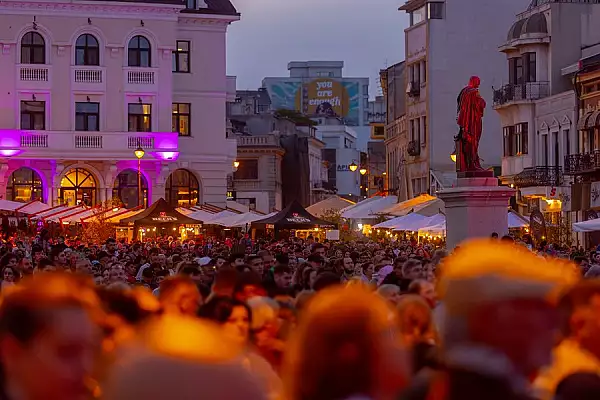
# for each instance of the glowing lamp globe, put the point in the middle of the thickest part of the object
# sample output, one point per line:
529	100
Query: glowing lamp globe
139	153
353	167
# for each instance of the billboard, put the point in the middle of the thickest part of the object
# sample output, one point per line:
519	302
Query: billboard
321	96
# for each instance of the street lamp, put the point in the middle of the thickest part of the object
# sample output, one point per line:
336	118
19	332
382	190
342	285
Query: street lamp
453	156
353	167
139	153
362	171
236	164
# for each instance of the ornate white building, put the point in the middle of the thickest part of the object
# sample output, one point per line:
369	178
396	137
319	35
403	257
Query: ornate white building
85	84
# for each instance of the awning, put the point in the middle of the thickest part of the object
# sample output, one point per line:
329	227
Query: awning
32	207
7	205
516	220
416	204
592	120
582	123
333	203
591	225
369	208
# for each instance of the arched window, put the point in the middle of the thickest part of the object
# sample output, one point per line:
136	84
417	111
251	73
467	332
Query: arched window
139	52
182	189
33	49
78	187
24	185
126	189
87	50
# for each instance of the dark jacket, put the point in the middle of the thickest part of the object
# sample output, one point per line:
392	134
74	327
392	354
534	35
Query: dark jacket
458	384
581	386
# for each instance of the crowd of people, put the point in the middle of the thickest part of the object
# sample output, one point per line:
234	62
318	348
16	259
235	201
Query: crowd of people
297	320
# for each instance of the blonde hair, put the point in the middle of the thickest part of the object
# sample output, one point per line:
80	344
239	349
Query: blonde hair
415	319
331	354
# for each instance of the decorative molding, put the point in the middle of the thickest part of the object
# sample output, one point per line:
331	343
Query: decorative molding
61	51
118	10
544	126
565	121
114	52
6	49
554	123
166	53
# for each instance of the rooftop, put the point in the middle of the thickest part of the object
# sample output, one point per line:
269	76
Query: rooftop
537	3
535	23
216	7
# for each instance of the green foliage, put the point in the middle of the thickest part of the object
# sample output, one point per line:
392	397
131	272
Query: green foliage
335	216
294	116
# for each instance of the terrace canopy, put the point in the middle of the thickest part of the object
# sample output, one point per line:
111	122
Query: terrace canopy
294	217
160	213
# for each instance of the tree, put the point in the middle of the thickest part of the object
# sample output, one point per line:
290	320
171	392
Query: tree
335	216
96	229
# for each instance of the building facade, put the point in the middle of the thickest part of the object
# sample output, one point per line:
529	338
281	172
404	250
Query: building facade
393	83
339	154
320	89
447	42
538	106
85	85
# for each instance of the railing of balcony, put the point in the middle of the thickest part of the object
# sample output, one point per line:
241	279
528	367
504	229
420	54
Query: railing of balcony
33	74
582	163
539	176
34	141
139	77
264	140
88	75
521	92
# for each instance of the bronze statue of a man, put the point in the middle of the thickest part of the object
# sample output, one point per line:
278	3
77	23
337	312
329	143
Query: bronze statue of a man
469	118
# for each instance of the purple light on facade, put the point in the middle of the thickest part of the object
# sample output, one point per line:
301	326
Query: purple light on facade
166	155
10	152
10	138
166	140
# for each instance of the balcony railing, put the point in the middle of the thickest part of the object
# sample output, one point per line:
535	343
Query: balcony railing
582	163
414	148
539	176
263	140
34	73
521	92
87	75
414	89
90	145
140	77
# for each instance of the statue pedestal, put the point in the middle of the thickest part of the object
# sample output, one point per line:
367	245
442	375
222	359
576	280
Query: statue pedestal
475	208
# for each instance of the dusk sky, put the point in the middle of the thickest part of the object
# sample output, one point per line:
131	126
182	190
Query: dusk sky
366	34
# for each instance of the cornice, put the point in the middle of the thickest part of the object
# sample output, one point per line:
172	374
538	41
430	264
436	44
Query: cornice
86	9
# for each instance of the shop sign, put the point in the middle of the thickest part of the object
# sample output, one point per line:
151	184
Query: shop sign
343	168
163	217
298	219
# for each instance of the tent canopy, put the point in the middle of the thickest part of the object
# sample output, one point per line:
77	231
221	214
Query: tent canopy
515	220
159	213
423	204
295	216
591	225
335	203
368	209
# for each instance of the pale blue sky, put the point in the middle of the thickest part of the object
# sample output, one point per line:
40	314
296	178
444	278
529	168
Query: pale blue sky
365	34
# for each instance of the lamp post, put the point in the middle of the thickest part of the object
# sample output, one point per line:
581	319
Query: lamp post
353	167
364	171
139	153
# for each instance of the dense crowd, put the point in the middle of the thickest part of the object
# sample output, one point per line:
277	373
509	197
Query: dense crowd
297	320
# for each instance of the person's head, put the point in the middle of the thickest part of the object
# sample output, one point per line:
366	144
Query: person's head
117	274
111	245
233	315
267	258
225	281
368	268
411	269
161	275
47	330
58	257
424	289
580	309
256	263
236	259
494	235
192	271
318	249
414	319
179	295
10	274
26	266
282	275
316	261
248	285
325	280
390	293
491	300
265	318
345	345
9	260
348	265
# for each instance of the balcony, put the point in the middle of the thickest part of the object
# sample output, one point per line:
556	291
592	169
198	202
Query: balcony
88	145
34	77
414	148
258	141
246	185
513	93
88	78
582	163
138	79
539	176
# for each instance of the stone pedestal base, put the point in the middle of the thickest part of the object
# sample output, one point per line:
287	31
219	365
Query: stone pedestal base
475	208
